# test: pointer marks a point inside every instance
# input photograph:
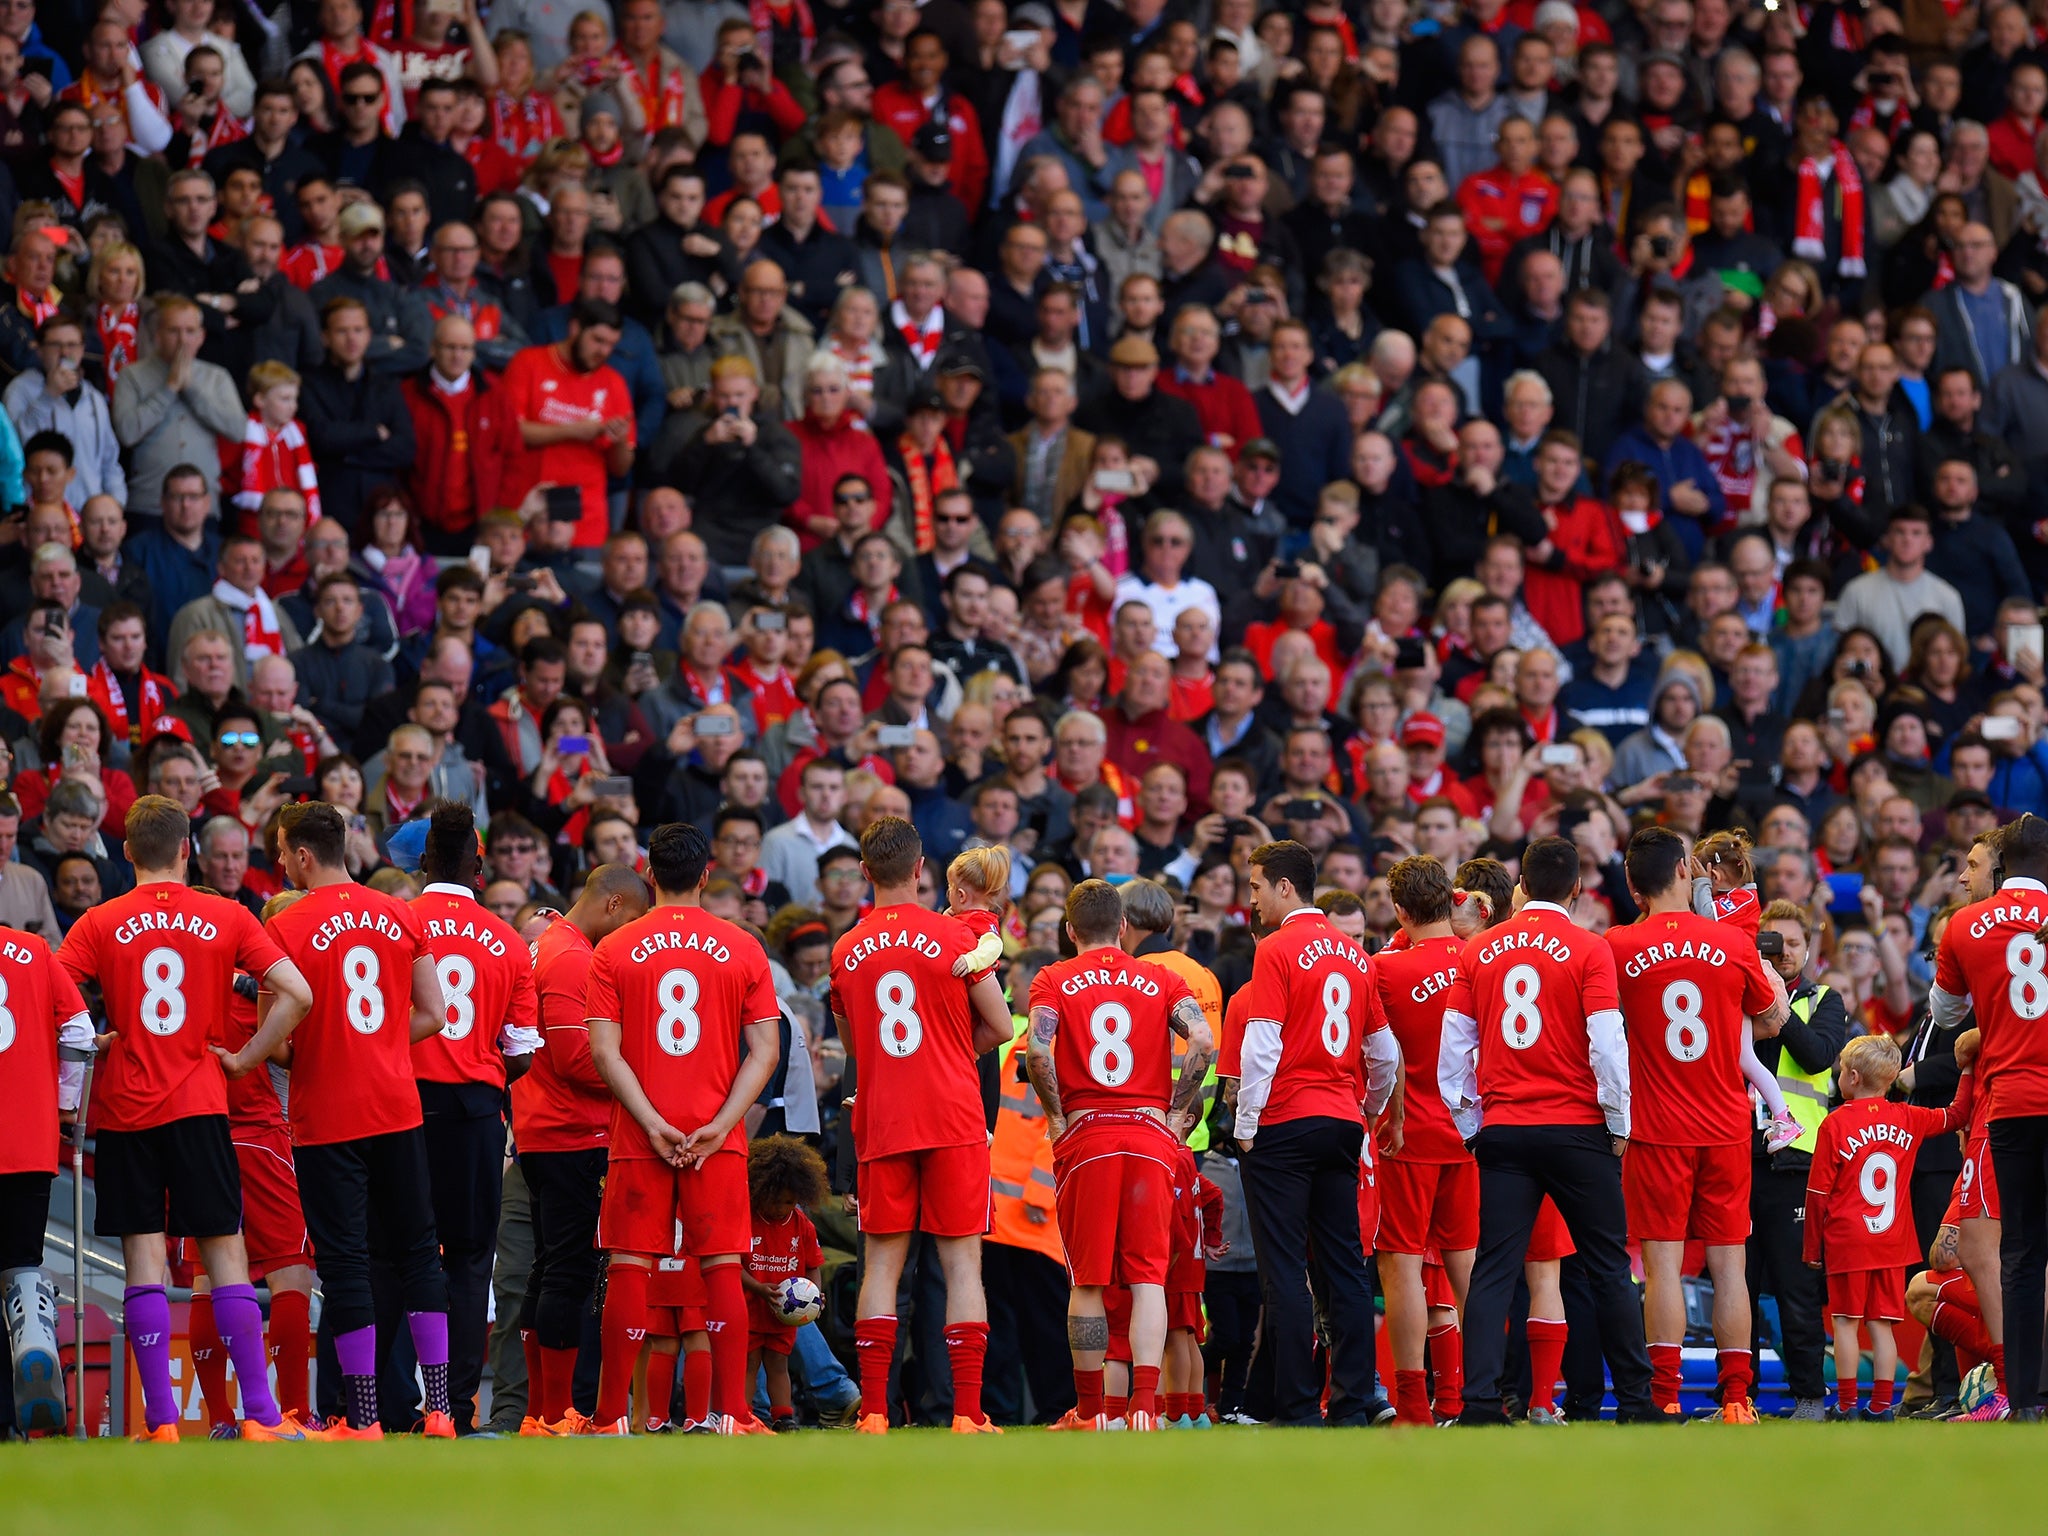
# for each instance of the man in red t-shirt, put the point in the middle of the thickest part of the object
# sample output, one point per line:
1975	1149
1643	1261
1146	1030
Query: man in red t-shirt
913	1031
1688	988
1534	1070
1316	1048
41	1014
355	1108
1100	1055
486	974
1993	959
165	958
1429	1187
561	1122
686	1031
574	415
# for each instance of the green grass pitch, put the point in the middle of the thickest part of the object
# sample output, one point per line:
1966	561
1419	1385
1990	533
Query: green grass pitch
1519	1482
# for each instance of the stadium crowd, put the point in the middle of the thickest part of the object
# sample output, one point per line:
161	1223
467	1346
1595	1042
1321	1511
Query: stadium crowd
1127	436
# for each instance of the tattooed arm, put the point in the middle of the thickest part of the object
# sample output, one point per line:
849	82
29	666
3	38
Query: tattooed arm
1044	1075
1188	1021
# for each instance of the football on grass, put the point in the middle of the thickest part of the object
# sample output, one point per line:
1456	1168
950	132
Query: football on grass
1977	1387
798	1301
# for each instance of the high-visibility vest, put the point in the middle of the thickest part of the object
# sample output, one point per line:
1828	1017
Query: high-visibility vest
1806	1093
1020	1163
1209	994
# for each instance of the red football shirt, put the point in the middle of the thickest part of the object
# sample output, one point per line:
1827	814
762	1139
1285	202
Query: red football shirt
1317	986
781	1249
1230	1039
540	387
486	976
37	998
1531	983
1412	982
253	1104
1990	954
909	1027
165	958
1686	984
1114	1049
683	986
1859	1211
561	1104
352	1057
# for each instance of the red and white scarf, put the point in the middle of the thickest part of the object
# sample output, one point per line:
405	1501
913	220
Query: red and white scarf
868	613
261	634
104	689
118	344
1809	221
662	95
225	129
798	15
40	307
922	337
926	485
522	124
276	461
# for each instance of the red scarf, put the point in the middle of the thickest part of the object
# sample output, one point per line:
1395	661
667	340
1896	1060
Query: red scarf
925	486
117	328
922	339
858	606
102	688
39	307
606	157
223	130
762	14
662	97
1944	271
74	186
522	124
1809	221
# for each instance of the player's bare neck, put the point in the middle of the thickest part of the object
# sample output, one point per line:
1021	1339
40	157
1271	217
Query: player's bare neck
1677	899
159	877
895	896
1422	933
677	898
318	878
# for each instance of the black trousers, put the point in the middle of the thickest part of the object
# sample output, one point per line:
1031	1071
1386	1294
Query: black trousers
2019	1151
567	1189
1575	1165
1305	1174
1232	1301
1777	1268
465	1130
1585	1372
24	1212
1931	1191
364	1199
1027	1336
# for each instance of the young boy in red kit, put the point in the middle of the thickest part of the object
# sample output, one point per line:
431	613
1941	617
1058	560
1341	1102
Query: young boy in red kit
1857	1225
1197	1234
676	1326
783	1176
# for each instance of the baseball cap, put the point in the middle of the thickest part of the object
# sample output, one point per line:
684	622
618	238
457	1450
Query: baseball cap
360	219
1422	729
1664	56
1032	14
167	725
1262	448
955	360
933	142
1969	800
1133	352
926	399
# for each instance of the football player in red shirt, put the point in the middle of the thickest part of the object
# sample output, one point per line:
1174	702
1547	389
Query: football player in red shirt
41	1013
486	974
1100	1055
355	1108
1992	958
1686	984
1862	1165
561	1123
1534	1070
1316	1048
913	1031
1429	1189
165	960
686	1031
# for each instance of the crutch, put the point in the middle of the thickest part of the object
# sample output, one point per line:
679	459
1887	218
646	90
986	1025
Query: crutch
78	1431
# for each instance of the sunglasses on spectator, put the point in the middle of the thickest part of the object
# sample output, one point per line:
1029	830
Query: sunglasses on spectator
852	498
240	739
358	99
952	517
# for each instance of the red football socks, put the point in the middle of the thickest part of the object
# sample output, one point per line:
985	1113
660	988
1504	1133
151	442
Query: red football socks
1411	1397
1145	1390
1881	1394
529	1346
1734	1370
1845	1388
290	1333
661	1378
1667	1372
966	1347
622	1330
1546	1337
1175	1405
210	1361
1116	1405
696	1385
726	1313
1088	1392
557	1384
1447	1360
1964	1329
874	1341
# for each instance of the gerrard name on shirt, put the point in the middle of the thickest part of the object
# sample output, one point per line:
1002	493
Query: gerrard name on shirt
13	951
893	938
344	923
653	943
1316	949
1118	978
1435	982
444	928
145	923
1658	953
1526	938
1993	917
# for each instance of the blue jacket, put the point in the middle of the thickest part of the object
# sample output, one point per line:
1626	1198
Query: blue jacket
1616	713
942	822
1315	449
1681	461
177	575
2021	783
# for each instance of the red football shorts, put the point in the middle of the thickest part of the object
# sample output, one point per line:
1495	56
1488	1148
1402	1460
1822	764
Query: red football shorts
1184	1310
1956	1290
940	1190
645	1201
1674	1193
1113	1190
1550	1239
675	1297
1977	1184
1875	1295
1428	1205
772	1341
1116	1307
